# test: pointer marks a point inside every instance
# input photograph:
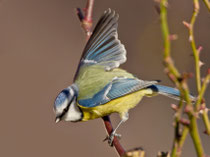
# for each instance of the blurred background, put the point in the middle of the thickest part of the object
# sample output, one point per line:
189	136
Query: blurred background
40	45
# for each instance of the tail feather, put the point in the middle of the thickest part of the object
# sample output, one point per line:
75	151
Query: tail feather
169	91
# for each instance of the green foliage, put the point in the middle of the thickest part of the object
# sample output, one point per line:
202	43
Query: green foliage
184	126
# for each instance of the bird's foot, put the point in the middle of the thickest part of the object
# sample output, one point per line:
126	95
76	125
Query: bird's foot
110	138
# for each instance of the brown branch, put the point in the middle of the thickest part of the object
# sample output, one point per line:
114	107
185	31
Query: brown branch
108	125
89	11
86	19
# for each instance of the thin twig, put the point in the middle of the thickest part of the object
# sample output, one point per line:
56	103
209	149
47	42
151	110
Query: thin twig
193	124
204	110
166	38
205	118
193	121
179	142
196	53
184	135
196	137
89	11
86	19
175	76
172	72
198	63
203	89
180	82
180	137
207	3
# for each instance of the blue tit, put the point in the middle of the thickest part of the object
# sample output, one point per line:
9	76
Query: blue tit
100	87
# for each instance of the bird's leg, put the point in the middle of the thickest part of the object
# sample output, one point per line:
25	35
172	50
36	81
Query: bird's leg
110	138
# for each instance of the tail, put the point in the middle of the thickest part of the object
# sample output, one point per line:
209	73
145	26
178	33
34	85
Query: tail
169	92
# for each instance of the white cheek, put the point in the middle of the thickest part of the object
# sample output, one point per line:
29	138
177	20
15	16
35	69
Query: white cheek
74	113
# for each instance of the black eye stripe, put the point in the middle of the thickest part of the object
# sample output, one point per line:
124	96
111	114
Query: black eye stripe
66	109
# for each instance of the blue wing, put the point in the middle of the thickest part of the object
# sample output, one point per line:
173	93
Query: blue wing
103	47
119	87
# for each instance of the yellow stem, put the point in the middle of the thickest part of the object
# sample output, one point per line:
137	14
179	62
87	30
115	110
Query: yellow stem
195	137
207	3
193	45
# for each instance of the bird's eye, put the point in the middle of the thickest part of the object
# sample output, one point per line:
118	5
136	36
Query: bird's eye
65	110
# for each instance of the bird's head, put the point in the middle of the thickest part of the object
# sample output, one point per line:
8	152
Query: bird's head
66	107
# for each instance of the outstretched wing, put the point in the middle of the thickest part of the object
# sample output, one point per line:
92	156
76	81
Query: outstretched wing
104	48
119	87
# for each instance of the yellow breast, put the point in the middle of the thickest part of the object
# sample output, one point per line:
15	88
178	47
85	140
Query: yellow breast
119	105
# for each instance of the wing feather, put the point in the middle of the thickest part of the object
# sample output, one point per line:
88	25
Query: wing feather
118	87
104	48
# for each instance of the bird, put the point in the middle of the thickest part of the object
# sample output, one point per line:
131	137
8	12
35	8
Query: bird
100	87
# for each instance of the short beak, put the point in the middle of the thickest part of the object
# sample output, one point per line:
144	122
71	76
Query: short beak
57	119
